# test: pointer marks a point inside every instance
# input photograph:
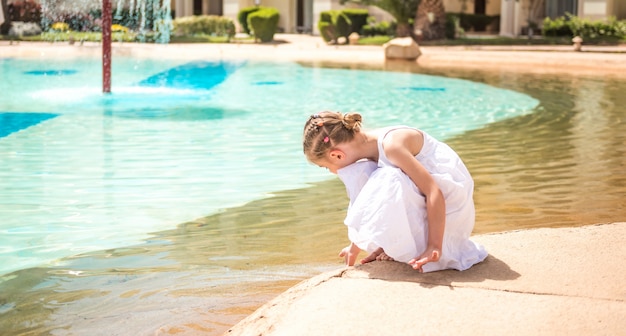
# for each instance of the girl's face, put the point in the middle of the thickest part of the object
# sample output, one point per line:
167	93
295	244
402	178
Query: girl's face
335	160
324	163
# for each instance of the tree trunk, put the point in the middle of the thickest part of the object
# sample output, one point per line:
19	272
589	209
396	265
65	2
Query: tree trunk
6	25
403	30
430	20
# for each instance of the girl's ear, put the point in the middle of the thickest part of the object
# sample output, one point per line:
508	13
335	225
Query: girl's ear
337	154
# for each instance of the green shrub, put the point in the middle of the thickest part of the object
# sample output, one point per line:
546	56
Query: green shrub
478	22
263	23
326	16
204	25
358	18
556	27
620	28
242	17
60	27
570	26
343	24
334	24
453	26
327	30
52	36
374	28
597	29
326	27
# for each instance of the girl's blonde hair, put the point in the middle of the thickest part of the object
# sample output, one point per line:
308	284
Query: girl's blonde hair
327	129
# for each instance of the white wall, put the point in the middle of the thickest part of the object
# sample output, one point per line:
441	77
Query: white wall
594	9
510	18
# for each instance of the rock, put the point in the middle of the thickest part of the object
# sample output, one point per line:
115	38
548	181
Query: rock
402	48
354	38
342	40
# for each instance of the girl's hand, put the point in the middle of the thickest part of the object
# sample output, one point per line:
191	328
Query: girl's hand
431	254
349	253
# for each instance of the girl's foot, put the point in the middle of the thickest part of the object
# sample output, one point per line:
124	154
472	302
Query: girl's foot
379	254
372	256
384	257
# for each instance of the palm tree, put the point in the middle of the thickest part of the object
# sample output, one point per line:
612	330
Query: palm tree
403	11
430	19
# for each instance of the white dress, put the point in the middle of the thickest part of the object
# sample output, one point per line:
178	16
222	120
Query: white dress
387	210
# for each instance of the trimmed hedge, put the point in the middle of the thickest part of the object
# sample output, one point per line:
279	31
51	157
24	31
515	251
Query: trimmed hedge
204	25
334	24
453	26
263	23
242	17
478	22
358	18
327	31
374	28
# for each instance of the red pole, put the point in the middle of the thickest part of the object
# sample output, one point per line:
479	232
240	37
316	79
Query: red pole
107	15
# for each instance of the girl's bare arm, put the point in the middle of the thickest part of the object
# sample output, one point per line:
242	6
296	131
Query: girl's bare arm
400	147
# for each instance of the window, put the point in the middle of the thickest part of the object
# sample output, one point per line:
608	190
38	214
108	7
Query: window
556	8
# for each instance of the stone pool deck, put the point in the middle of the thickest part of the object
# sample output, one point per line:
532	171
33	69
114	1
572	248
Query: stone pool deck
551	281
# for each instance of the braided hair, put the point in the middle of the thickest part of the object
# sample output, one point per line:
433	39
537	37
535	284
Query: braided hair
326	129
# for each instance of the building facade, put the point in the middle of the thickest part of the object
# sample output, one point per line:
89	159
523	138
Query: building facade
517	14
295	15
301	16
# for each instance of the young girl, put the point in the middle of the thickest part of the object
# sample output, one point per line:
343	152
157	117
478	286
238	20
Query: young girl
415	205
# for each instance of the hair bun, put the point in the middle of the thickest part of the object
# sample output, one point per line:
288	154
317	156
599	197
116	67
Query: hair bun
352	121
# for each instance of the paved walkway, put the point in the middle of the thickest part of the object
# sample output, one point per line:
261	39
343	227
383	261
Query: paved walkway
563	281
593	61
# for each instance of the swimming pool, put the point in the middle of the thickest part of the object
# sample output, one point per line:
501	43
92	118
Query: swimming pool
561	165
176	141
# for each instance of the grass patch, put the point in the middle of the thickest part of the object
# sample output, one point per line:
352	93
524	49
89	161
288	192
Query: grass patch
246	39
115	37
507	41
498	41
380	40
369	40
200	39
77	36
374	40
82	37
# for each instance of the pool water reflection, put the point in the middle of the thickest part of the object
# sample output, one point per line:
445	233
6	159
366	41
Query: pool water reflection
175	142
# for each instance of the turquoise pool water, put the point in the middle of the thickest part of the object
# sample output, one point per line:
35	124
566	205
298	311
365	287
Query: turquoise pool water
176	141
